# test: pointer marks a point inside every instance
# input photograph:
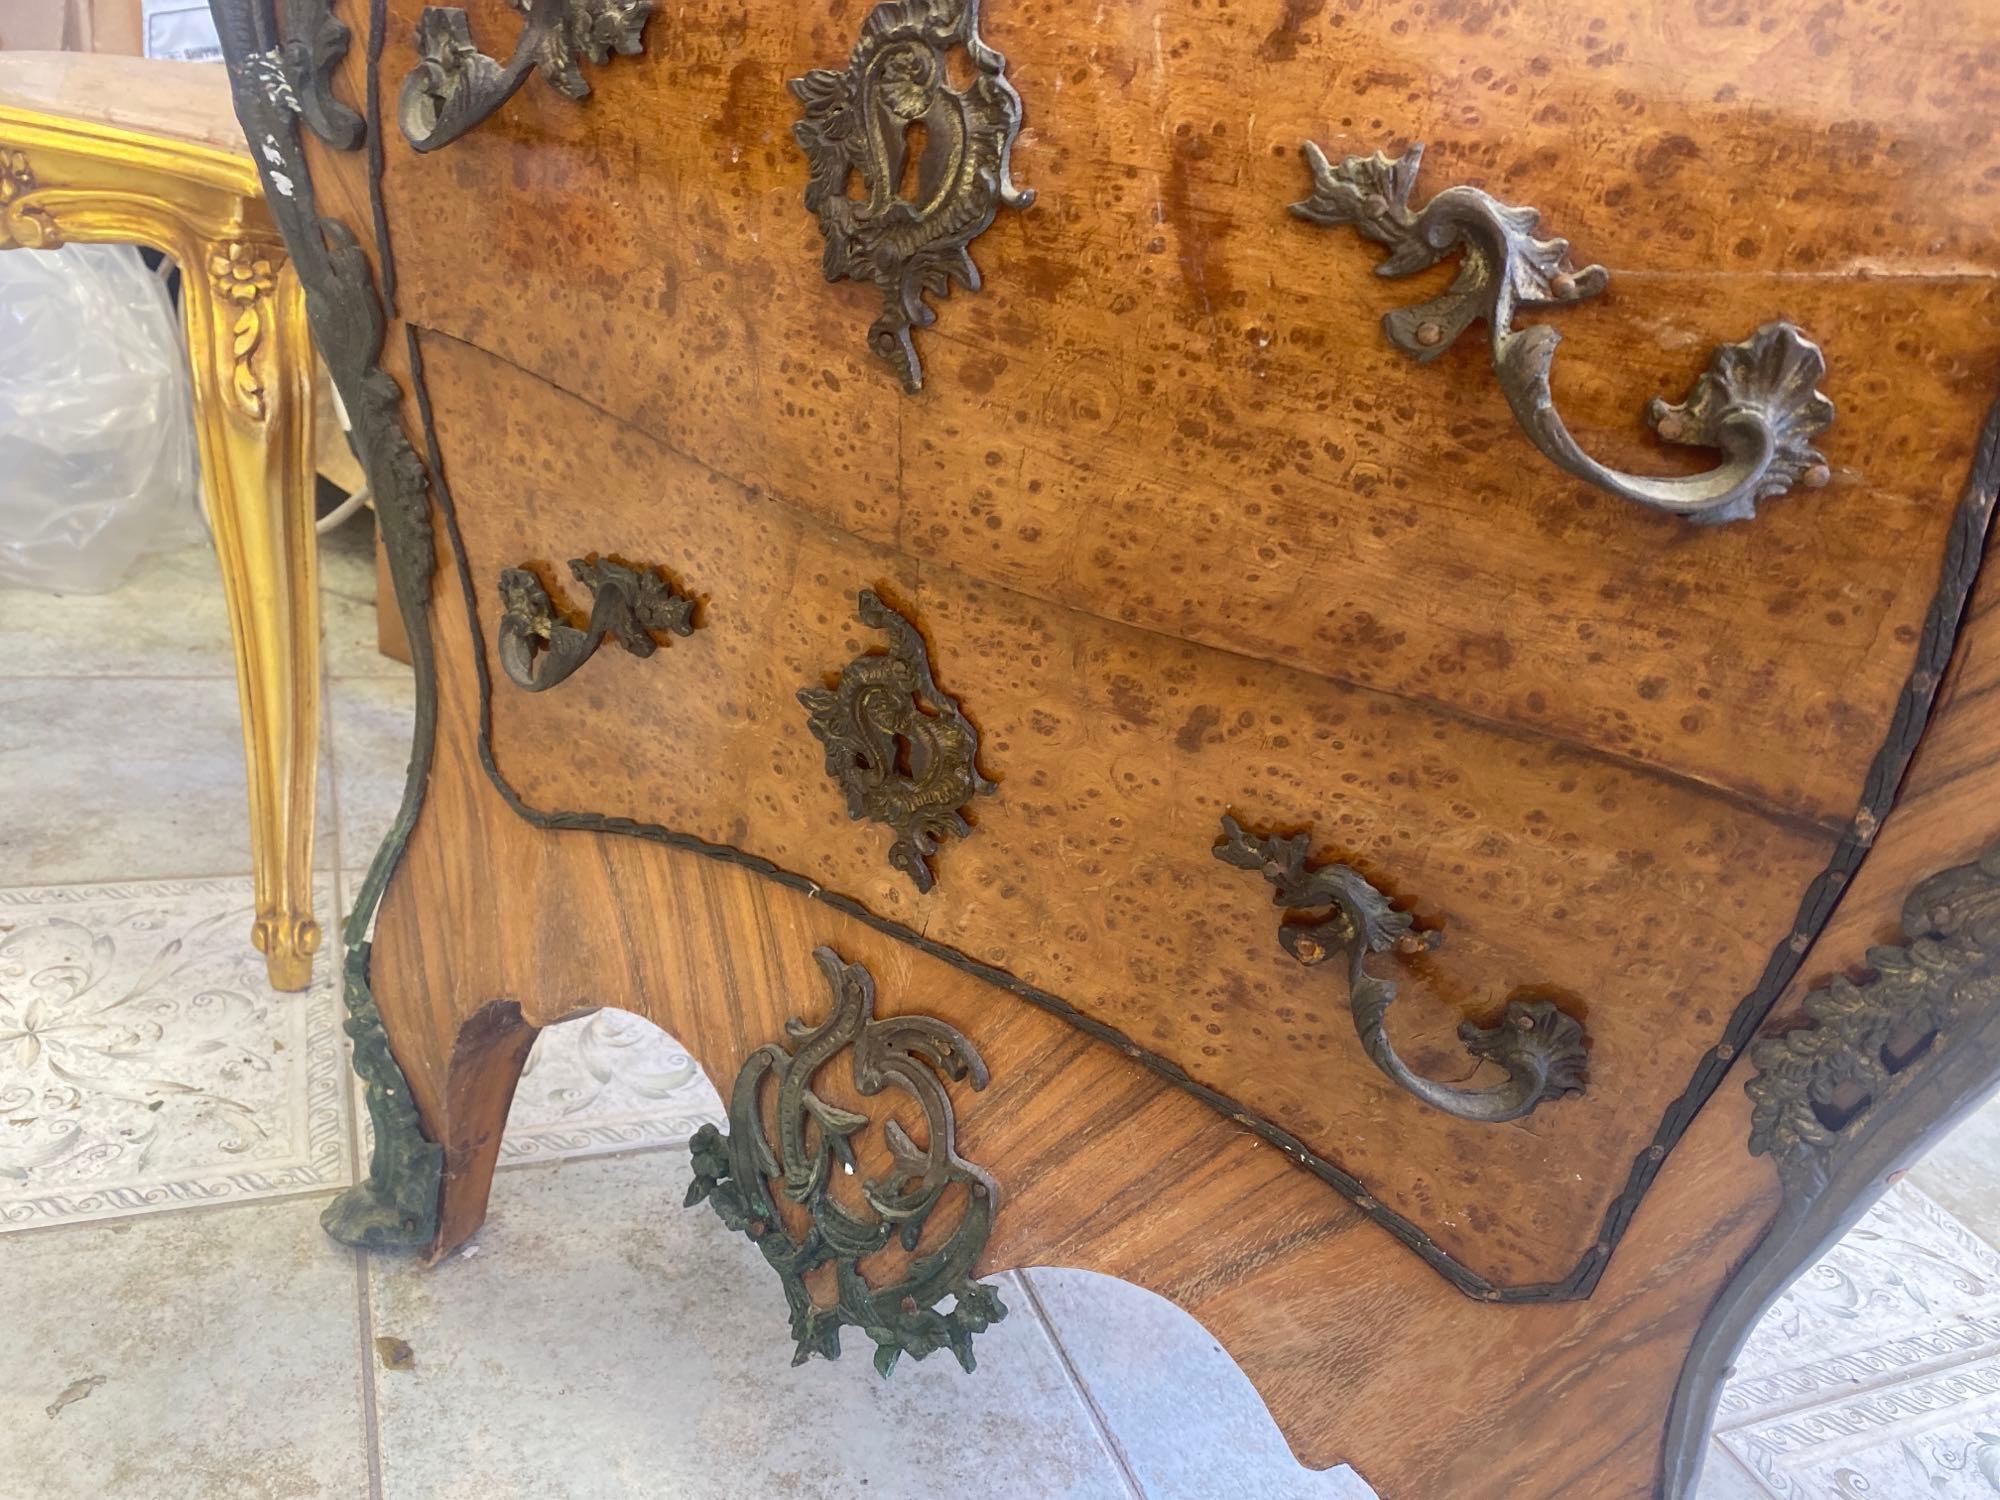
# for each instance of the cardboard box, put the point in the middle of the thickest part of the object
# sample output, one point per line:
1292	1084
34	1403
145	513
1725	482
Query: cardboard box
73	26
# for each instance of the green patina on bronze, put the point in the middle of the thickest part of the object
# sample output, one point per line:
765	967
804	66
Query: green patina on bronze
734	1174
396	1206
538	648
1841	1102
1817	1084
278	77
897	744
1758	401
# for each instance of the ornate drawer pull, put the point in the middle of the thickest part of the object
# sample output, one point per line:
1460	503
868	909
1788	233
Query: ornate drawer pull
537	650
1756	402
455	86
735	1173
1540	1047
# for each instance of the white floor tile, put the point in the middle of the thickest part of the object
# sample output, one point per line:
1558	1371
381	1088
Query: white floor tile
347	603
1190	1424
370	721
146	1064
604	1341
166	619
196	1356
1962	1172
123	779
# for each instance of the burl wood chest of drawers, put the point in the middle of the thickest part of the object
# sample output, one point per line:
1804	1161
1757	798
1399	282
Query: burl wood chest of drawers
948	568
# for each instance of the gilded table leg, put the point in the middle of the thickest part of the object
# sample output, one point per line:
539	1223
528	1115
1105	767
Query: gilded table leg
253	406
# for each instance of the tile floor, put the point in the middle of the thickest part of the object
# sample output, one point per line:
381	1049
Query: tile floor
175	1325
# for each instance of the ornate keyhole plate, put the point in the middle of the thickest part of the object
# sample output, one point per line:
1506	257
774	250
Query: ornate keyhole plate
897	744
907	234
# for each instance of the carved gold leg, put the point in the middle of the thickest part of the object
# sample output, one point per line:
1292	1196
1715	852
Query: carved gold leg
253	405
65	179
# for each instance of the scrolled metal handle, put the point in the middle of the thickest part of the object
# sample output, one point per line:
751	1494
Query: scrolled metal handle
455	86
1757	402
539	650
1541	1048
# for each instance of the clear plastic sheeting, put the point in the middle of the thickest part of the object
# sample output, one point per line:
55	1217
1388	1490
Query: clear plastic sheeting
97	442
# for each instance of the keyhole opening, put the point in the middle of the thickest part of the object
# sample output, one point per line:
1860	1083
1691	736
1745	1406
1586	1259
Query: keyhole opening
915	141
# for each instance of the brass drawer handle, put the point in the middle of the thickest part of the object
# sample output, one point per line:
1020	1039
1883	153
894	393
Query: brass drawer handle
1541	1049
455	86
538	650
1756	402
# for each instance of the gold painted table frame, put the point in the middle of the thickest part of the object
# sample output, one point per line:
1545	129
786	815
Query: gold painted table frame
64	178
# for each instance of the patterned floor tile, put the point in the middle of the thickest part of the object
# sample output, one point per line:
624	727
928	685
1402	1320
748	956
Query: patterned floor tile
612	1081
607	1082
1878	1372
146	1064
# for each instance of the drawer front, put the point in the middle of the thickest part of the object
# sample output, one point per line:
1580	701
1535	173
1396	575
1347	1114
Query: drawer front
1643	906
1170	404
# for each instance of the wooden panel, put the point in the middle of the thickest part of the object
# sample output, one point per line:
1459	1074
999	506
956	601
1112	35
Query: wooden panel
1171	404
1647	906
1363	1354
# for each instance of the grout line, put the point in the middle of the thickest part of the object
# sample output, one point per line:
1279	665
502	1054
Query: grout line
648	1148
189	1210
371	1414
1077	1383
114	881
17	677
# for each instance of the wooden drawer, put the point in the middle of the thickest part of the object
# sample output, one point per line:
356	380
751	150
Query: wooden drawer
1645	906
1345	741
1171	406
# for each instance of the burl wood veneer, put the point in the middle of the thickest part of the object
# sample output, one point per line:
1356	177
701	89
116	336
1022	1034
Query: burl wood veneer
1162	515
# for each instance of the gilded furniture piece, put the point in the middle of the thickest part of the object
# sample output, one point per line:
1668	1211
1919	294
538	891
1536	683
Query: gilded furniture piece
102	148
1073	671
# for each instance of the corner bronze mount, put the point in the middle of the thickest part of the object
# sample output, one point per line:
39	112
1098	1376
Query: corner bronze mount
299	71
735	1173
1876	1071
1541	1049
1816	1085
455	86
860	121
1757	402
628	605
899	746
